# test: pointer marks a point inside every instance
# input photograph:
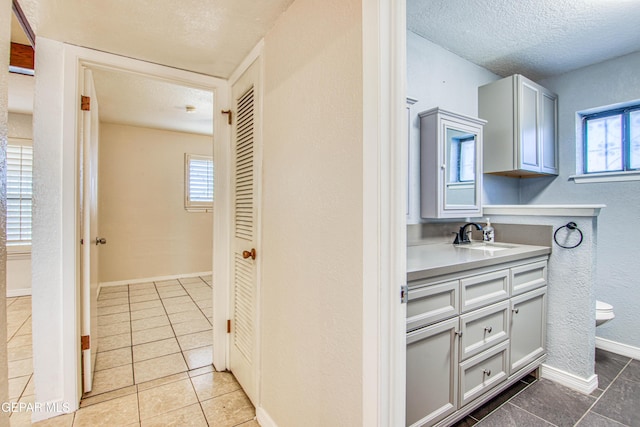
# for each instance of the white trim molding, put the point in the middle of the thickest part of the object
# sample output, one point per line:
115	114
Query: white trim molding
618	348
22	292
606	177
264	419
574	382
543	210
153	279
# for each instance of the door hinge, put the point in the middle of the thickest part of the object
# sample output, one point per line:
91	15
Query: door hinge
229	326
82	241
85	103
404	294
229	115
85	342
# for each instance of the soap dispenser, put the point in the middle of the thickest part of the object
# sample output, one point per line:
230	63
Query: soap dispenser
487	232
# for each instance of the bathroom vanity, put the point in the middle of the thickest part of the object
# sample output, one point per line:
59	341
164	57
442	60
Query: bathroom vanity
476	324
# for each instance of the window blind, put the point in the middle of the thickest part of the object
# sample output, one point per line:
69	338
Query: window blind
199	186
19	193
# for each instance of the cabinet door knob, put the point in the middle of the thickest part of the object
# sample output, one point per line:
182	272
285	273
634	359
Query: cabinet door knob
516	310
487	372
249	254
488	329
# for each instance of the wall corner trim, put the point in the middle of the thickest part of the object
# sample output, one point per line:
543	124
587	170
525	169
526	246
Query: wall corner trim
618	348
574	382
263	418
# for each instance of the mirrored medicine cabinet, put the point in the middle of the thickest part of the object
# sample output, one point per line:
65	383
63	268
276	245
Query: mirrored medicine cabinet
450	164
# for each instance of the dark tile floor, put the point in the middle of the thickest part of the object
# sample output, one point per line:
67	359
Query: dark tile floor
533	403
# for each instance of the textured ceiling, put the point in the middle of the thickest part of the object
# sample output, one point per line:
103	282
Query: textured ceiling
210	37
135	100
537	38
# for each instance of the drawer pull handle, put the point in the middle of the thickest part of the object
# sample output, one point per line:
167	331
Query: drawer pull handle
488	329
487	372
516	310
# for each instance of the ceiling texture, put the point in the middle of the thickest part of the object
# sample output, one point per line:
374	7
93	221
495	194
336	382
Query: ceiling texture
536	38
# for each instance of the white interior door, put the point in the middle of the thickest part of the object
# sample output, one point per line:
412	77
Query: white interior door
90	239
243	349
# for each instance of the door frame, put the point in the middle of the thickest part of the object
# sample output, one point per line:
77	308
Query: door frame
75	59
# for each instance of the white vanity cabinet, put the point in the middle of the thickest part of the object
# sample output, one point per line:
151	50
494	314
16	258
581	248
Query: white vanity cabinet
520	137
471	335
450	164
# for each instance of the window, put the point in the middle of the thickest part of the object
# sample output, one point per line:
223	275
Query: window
19	192
612	140
198	183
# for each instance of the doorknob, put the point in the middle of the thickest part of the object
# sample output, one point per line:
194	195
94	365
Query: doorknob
247	254
101	241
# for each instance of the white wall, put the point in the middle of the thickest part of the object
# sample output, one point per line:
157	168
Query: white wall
19	259
141	205
312	216
438	78
618	275
5	25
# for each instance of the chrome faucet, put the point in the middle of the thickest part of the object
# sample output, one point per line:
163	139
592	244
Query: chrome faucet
461	236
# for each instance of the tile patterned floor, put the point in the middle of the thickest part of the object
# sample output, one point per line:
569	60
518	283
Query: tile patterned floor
616	402
153	366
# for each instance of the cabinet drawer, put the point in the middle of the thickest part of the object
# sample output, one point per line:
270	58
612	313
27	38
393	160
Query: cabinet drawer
483	328
484	289
525	278
483	372
431	304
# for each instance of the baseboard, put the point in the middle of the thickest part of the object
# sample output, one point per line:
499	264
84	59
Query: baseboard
264	419
582	385
153	279
18	292
618	348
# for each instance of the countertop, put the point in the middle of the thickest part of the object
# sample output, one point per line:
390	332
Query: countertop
425	261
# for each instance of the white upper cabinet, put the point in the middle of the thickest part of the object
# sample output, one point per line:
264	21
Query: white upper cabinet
520	137
450	164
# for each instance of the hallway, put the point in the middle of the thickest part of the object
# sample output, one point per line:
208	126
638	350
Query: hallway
153	366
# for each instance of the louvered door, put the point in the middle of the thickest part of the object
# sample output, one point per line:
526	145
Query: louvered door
244	290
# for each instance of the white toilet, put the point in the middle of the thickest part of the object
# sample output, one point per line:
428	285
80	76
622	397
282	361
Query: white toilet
604	312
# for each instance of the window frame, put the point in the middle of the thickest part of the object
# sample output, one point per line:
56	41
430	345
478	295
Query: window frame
625	112
190	205
21	246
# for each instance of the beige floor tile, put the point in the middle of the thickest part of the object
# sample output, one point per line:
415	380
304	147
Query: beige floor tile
135	306
163	366
20	368
186	316
169	288
17	386
206	303
25	329
18	353
176	300
214	384
148	312
252	423
153	334
161	381
114	329
20	341
29	389
140	286
199	339
177	308
109	319
155	349
143	291
65	420
229	409
199	357
111	379
112	302
149	322
116	412
113	358
112	309
164	283
192	327
31	398
201	371
144	297
187	416
174	294
206	278
165	398
112	295
203	295
110	395
185	280
114	341
207	311
113	289
20	419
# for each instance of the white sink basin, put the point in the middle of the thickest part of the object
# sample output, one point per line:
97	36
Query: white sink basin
488	247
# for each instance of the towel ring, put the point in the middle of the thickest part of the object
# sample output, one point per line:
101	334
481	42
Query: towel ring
570	226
